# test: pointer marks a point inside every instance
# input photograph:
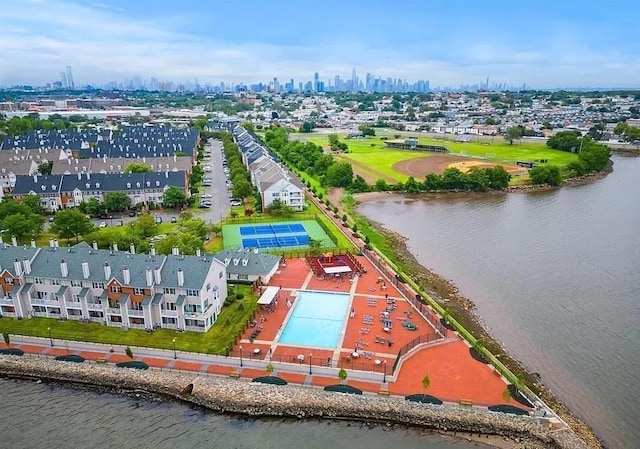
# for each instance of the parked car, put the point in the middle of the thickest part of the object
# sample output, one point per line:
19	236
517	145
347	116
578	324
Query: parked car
103	224
207	168
206	195
204	206
132	213
236	203
174	220
158	219
119	223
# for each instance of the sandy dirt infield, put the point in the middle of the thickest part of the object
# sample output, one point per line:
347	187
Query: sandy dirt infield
418	168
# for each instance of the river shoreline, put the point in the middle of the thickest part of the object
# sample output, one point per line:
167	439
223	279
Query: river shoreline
447	294
243	398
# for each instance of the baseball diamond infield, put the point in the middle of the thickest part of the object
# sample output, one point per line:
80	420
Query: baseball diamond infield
420	167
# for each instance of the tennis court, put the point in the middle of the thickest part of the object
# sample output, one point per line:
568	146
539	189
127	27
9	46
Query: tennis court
293	234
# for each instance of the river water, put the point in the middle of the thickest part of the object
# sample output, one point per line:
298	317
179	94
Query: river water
41	416
555	277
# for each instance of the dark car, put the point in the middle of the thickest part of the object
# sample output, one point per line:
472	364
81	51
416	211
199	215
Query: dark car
174	220
132	213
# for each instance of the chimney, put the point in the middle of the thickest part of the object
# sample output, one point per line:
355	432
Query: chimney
88	176
132	248
79	176
1	240
153	250
107	271
175	158
180	277
35	178
156	275
95	245
115	247
17	267
55	243
33	243
27	265
14	241
166	174
51	245
126	275
149	273
85	270
64	269
198	252
175	251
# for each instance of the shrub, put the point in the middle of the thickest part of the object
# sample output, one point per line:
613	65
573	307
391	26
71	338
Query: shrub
240	296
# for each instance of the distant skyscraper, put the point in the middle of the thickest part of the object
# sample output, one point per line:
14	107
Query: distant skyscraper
63	80
70	83
354	80
316	80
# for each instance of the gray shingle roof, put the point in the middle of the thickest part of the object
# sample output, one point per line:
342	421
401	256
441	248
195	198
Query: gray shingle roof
8	254
257	264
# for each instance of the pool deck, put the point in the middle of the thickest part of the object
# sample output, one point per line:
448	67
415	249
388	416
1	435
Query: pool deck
454	375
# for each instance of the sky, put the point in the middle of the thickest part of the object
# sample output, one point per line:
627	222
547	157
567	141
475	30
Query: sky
543	43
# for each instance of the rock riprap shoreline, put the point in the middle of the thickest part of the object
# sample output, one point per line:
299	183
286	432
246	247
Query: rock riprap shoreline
238	396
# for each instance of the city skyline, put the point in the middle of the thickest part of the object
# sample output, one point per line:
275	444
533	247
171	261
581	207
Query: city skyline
449	43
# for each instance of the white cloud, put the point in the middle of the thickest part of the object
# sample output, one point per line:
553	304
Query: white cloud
102	44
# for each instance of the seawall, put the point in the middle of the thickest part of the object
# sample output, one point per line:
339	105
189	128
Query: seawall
237	396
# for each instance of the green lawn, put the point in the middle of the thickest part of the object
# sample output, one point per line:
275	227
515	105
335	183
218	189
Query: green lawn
215	341
372	160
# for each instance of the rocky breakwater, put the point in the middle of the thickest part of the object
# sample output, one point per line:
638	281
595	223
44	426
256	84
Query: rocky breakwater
226	395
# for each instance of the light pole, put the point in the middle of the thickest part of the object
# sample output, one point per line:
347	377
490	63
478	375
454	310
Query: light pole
50	337
384	376
310	355
240	347
175	354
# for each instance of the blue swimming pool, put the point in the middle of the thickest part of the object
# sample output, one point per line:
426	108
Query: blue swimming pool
317	320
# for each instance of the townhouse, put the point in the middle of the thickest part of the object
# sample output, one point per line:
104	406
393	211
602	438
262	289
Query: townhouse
62	191
249	265
271	179
116	288
119	165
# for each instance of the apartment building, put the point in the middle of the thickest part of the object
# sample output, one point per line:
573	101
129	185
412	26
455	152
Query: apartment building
116	288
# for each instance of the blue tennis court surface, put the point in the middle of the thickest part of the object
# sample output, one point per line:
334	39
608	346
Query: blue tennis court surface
316	320
272	242
272	229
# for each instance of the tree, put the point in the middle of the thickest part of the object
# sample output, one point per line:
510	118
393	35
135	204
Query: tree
367	130
315	246
187	243
565	141
381	186
117	201
342	375
69	223
498	177
339	174
144	226
128	352
195	226
426	382
7	338
174	197
270	369
21	224
306	127
546	174
513	133
242	189
137	167
33	203
45	168
93	206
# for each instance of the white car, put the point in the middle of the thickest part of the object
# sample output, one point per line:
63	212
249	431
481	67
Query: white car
207	168
103	224
206	195
236	203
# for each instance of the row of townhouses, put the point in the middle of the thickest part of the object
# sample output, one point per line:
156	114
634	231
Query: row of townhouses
16	163
116	288
272	180
124	289
127	142
62	191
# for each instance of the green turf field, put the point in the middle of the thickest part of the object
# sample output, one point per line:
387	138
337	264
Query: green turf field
372	160
232	239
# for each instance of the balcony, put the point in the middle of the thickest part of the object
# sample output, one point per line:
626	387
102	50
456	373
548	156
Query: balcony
6	301
74	305
116	311
94	306
169	326
136	313
97	319
169	313
193	315
44	302
137	326
194	328
8	314
41	314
